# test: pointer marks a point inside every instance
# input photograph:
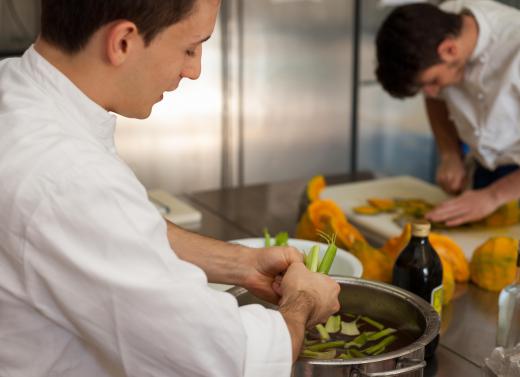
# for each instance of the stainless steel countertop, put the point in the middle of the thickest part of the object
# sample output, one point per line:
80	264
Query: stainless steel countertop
468	323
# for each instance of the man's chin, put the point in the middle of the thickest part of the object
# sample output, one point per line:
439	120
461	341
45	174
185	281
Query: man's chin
137	113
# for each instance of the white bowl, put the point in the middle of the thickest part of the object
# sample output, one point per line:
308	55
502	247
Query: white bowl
345	264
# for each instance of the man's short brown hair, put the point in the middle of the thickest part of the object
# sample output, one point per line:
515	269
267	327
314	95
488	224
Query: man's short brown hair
69	24
407	42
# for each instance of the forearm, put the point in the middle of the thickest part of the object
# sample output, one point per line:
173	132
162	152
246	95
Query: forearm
506	188
296	311
444	130
222	262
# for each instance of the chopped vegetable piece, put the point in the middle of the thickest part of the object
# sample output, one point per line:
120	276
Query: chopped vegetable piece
367	210
382	333
309	342
281	239
380	351
345	356
267	238
330	253
324	335
333	324
376	347
313	259
349	328
354	352
327	355
370	321
358	341
383	204
325	346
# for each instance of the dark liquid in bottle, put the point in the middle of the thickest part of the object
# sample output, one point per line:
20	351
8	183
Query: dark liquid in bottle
418	269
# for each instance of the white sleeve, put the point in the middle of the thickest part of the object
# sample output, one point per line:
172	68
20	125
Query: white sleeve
98	263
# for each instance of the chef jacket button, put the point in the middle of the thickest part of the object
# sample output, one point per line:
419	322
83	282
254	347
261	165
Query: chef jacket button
480	96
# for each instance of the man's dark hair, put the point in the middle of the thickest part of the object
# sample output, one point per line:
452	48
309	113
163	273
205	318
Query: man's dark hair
407	44
69	24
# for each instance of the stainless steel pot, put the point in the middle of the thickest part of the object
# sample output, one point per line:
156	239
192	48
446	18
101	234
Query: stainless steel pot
408	312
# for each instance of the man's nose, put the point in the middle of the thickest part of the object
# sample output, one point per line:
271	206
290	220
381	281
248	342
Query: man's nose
193	69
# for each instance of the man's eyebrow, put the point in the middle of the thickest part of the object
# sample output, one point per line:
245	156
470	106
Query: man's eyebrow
202	40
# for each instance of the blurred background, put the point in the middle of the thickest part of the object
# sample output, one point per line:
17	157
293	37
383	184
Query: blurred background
287	91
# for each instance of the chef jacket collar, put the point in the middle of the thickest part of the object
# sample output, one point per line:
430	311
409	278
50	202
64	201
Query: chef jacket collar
484	38
96	120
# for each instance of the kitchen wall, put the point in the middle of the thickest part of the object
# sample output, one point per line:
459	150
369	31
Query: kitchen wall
273	101
19	25
394	135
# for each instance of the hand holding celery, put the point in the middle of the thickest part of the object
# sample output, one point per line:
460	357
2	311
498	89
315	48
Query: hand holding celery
337	338
326	349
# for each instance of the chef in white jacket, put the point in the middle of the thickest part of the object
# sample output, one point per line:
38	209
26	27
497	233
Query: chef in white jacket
93	282
465	57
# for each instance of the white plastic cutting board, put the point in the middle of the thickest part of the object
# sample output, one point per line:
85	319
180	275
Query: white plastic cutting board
382	226
174	209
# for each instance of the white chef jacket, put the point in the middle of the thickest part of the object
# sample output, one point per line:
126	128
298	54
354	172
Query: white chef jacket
89	286
485	106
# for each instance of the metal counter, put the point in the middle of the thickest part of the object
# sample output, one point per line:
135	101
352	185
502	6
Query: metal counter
469	321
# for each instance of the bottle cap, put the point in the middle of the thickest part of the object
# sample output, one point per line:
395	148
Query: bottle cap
420	228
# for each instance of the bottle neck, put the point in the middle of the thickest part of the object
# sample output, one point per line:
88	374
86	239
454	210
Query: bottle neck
419	239
517	280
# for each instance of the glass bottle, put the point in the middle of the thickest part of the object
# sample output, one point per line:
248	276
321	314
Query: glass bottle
418	269
508	332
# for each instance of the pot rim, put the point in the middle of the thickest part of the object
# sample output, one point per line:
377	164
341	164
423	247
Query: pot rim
431	318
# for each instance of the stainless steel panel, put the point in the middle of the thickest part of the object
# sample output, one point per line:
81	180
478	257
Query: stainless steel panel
296	88
410	313
394	135
19	24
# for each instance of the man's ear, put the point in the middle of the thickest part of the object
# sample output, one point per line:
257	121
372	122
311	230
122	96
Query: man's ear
448	50
121	38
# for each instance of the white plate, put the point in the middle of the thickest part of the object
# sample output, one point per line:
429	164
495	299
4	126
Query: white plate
345	264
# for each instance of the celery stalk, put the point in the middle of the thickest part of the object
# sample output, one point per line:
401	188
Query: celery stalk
359	341
346	356
333	324
281	239
267	238
324	346
313	258
350	328
309	342
382	333
330	253
382	344
327	355
376	324
327	259
324	335
354	352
